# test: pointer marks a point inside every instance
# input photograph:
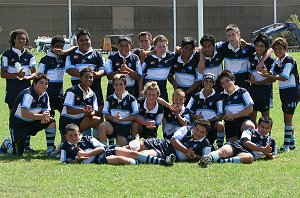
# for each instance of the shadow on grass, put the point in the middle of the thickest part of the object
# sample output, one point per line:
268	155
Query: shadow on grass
28	156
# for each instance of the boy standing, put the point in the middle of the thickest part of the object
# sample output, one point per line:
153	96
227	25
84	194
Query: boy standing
253	145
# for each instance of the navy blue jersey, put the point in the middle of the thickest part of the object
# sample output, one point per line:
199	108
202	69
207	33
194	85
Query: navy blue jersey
125	107
8	62
155	114
114	62
69	151
200	147
77	98
78	60
237	60
255	137
214	64
53	66
260	90
207	106
186	74
236	102
172	124
30	100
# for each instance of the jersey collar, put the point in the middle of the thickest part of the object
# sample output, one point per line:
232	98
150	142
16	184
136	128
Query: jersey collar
232	48
201	95
162	57
123	56
209	58
51	54
87	94
179	59
17	51
237	87
154	110
80	52
123	96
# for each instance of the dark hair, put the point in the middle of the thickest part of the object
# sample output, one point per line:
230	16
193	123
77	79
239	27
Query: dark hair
227	74
280	41
71	127
145	34
265	119
57	39
204	123
264	39
13	35
38	77
82	32
85	70
209	38
120	77
124	38
188	40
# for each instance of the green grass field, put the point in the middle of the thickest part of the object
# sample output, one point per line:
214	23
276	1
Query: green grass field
38	176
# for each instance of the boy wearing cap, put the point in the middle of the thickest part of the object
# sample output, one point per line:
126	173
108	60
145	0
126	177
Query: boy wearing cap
204	105
124	62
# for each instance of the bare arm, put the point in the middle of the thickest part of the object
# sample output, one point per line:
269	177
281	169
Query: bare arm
180	147
73	72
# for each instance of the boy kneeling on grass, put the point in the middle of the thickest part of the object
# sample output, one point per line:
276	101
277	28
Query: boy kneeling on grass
86	149
254	144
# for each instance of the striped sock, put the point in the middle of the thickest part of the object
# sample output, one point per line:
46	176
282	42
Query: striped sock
111	141
215	156
220	138
292	142
235	159
148	159
288	132
50	136
133	161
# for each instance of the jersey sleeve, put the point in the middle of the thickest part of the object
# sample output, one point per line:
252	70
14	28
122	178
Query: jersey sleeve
68	63
27	101
108	66
106	109
180	133
32	62
70	98
247	99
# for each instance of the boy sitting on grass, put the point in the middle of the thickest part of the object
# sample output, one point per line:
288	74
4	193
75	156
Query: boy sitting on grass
86	149
253	145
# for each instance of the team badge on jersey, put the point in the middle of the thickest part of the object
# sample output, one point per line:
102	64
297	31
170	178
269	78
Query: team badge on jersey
190	67
76	56
244	51
90	57
78	98
152	62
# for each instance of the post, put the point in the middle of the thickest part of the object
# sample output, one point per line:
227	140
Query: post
70	19
200	20
174	23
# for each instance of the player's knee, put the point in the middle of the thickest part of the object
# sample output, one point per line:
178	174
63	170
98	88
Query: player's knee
219	126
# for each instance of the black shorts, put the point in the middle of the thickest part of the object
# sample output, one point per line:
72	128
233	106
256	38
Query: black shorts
289	99
162	147
123	130
101	158
148	133
64	121
56	96
212	135
261	104
233	128
237	148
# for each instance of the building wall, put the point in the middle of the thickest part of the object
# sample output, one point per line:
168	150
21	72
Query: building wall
102	17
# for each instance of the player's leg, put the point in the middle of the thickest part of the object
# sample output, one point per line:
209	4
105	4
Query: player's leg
121	140
91	122
247	124
253	117
105	128
288	132
220	128
50	138
245	158
113	159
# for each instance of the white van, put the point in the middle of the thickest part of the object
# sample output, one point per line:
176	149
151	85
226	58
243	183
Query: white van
43	43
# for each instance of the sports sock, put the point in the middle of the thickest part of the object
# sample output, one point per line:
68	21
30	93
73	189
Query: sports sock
220	138
215	156
292	142
148	159
50	136
235	159
111	141
134	161
27	142
288	132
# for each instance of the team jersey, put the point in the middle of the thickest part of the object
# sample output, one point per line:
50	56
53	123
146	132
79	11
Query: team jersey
207	106
184	135
53	66
287	68
77	98
125	107
69	151
114	62
186	74
155	114
172	124
237	60
255	137
214	64
31	101
259	90
236	102
8	62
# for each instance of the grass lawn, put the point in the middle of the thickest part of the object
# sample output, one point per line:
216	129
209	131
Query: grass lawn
38	176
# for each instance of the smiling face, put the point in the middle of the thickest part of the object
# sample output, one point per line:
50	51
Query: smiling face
145	42
151	95
41	86
161	48
119	87
84	43
87	79
208	48
227	84
178	100
73	136
279	51
20	41
264	128
199	132
124	48
260	48
208	84
187	51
